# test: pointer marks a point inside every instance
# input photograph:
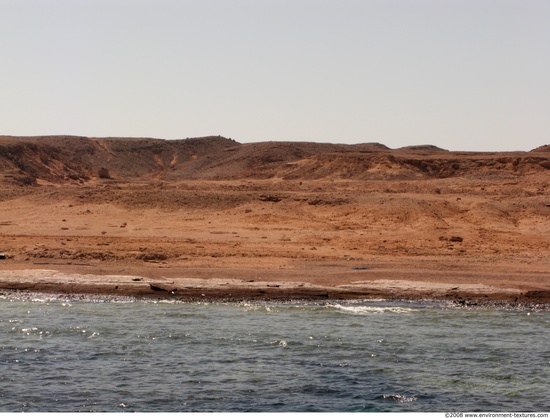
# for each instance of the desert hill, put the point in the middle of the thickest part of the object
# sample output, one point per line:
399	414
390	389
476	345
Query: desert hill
330	214
79	159
29	160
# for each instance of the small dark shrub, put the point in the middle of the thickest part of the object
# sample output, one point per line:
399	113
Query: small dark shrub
103	173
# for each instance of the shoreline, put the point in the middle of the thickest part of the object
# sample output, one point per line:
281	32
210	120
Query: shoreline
85	282
497	305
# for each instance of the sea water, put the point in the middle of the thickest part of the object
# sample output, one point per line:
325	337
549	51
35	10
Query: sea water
127	355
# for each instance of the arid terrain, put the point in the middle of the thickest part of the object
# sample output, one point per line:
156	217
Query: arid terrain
210	217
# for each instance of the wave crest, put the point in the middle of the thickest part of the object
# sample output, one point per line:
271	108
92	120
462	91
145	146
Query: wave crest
363	310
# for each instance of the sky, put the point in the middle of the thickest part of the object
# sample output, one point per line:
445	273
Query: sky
464	75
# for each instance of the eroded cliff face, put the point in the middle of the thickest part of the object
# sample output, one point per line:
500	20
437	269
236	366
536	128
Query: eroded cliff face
58	159
25	160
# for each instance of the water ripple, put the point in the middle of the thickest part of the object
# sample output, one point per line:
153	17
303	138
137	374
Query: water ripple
70	355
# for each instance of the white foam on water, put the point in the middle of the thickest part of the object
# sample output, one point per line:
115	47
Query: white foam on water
364	310
29	329
400	398
250	307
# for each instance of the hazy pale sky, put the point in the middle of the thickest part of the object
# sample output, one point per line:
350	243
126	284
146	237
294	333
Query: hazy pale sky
460	74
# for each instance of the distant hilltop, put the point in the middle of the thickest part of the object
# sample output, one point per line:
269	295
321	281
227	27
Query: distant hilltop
79	160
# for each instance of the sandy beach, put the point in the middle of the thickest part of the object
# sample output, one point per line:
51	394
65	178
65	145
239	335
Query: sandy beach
273	221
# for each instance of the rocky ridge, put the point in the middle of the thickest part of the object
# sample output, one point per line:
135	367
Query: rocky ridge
58	159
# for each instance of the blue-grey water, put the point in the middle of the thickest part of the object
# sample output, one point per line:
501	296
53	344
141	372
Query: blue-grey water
68	355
